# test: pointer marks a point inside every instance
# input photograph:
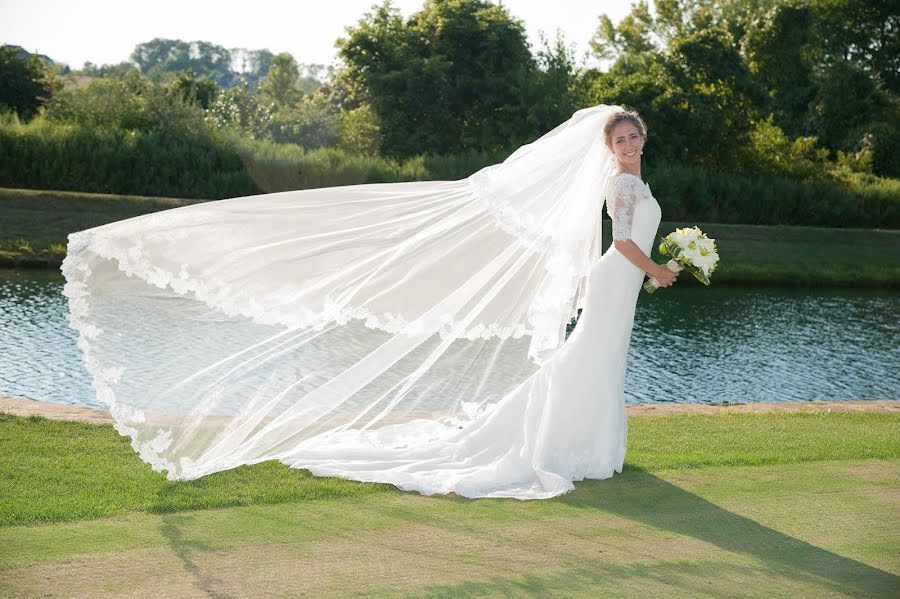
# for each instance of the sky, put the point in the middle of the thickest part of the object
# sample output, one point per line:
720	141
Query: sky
106	31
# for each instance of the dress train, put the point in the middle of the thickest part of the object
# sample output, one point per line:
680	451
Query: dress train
564	423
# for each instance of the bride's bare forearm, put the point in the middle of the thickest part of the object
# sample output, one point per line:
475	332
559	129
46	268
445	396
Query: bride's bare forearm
635	255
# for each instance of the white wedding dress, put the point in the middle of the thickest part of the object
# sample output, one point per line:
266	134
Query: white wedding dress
408	333
564	423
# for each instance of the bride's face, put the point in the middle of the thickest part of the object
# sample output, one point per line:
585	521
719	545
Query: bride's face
627	143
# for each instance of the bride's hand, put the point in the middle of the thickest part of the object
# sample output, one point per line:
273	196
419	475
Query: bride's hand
665	276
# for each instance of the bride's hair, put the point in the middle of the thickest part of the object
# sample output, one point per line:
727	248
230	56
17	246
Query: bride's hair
620	117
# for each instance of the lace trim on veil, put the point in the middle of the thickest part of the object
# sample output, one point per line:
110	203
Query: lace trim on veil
76	270
553	304
550	307
217	295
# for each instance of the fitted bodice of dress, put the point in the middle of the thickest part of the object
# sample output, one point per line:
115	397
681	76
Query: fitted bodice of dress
634	211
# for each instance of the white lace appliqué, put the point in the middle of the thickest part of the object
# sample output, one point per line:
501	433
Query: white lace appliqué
549	308
627	192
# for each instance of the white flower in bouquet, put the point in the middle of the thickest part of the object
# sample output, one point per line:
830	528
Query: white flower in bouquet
690	249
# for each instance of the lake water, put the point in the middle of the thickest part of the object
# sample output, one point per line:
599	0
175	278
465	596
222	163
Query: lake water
690	344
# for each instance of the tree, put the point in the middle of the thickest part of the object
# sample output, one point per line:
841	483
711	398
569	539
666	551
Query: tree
107	70
239	108
453	78
194	89
631	36
251	65
26	84
280	83
716	96
863	32
159	57
639	82
640	31
558	88
778	47
851	113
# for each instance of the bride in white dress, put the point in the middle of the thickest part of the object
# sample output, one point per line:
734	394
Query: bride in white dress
402	333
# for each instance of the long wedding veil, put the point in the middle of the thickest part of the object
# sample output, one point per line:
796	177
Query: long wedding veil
235	331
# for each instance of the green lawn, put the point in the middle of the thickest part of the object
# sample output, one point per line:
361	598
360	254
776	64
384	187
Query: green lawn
802	256
732	505
59	470
34	226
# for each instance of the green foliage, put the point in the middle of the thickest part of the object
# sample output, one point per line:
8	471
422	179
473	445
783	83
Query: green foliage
344	92
153	159
777	47
360	131
867	121
698	99
835	112
693	193
630	36
880	141
25	83
44	154
194	90
311	123
158	58
450	167
557	88
763	94
638	82
279	86
281	167
130	104
449	79
107	70
716	96
862	32
771	152
681	18
825	69
238	108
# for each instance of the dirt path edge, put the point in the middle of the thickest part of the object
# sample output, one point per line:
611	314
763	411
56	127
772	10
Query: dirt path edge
20	406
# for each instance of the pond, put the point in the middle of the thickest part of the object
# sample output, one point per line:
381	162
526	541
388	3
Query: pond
690	344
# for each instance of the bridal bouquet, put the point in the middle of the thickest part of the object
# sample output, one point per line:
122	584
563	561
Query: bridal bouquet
690	249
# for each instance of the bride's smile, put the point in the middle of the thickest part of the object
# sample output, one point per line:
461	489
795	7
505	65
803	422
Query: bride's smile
628	143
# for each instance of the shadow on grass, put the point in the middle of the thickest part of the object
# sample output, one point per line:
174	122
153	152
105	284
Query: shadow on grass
171	527
784	563
640	496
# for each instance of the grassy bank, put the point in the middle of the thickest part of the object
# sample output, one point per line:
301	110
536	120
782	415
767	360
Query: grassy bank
781	504
58	471
34	226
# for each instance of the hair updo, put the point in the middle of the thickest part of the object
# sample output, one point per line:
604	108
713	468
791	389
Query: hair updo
620	117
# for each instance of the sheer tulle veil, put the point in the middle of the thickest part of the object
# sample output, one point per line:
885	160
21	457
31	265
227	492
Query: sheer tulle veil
236	331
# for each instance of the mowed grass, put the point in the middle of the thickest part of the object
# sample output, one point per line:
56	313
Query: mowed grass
34	226
54	471
729	505
801	256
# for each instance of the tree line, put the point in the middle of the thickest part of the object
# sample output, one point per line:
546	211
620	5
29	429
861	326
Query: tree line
804	91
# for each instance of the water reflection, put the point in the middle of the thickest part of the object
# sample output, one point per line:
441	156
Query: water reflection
765	344
689	344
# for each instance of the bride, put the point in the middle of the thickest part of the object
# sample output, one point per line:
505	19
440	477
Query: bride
410	333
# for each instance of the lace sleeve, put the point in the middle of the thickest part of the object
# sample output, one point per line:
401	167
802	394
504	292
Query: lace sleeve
625	196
